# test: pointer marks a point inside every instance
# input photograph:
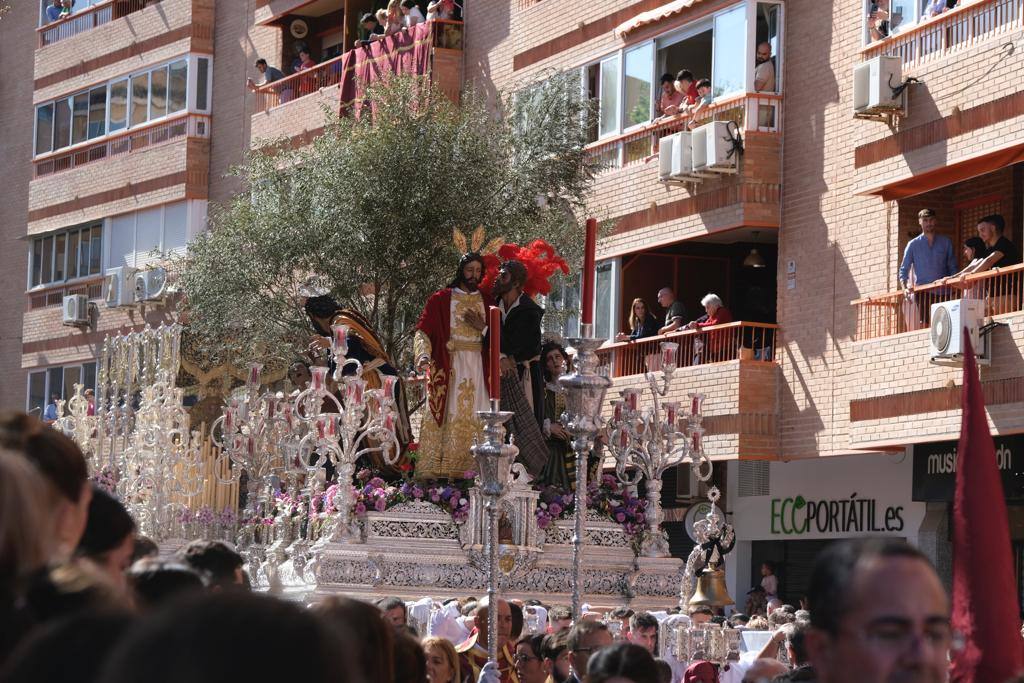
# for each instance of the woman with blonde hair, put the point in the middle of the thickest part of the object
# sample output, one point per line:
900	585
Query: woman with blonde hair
442	661
642	322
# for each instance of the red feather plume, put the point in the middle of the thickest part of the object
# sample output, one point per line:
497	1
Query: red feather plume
539	257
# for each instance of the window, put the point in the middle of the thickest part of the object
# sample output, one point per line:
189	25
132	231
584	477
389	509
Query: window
608	96
139	237
639	73
606	300
563	306
66	255
903	14
125	102
729	74
59	380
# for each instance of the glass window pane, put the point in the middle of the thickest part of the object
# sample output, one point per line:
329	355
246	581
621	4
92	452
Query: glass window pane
177	87
89	375
603	302
72	376
83	254
122	241
158	93
56	377
147	233
175	227
904	14
73	254
97	112
140	99
767	72
36	392
47	260
609	115
118	105
202	84
95	250
58	258
44	128
638	69
62	123
80	118
729	62
37	261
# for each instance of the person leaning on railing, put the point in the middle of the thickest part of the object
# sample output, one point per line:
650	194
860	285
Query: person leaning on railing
642	323
270	74
715	313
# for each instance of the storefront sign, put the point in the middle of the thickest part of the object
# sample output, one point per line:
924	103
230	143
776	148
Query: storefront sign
797	516
935	468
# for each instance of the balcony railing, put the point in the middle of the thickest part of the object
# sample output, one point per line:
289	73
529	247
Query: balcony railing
716	344
963	26
156	133
332	72
894	312
55	297
760	112
88	19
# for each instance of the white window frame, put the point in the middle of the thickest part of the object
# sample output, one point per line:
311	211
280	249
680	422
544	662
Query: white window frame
195	222
616	295
29	287
46	383
918	6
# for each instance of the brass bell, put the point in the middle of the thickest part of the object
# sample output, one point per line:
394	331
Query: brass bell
711	590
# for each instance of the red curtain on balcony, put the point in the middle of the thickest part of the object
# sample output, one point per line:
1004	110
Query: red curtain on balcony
407	52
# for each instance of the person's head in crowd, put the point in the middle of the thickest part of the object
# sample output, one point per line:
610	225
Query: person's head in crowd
62	465
144	547
764	52
711	303
220	562
410	661
299	375
788	609
518	619
217	631
555	653
559	618
469	273
773	605
700	614
802	615
757	623
372	642
407	6
684	79
74	587
504	622
990	228
796	642
368	21
668	84
643	631
382	16
926	219
664	670
586	638
261	65
468	607
26	535
764	670
512	276
556	362
703	87
109	538
878	613
394	612
701	672
620	663
974	248
638	313
442	661
666	297
620	616
529	659
154	581
738	619
779	617
71	649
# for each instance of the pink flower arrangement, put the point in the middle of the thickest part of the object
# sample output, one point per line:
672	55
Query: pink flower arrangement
608	497
376	494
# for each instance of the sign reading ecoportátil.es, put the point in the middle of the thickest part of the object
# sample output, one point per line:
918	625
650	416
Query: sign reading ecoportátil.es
796	516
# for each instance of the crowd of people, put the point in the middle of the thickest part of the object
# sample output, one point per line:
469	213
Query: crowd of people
83	597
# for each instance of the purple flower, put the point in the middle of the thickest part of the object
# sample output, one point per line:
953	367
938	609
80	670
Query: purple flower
380	505
434	496
377	483
417	492
555	509
360	509
620	517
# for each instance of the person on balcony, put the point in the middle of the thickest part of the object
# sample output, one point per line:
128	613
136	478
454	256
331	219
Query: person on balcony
878	20
974	252
715	313
442	9
59	9
1001	251
392	21
369	27
764	68
929	254
687	86
411	14
704	100
269	73
675	311
669	100
642	323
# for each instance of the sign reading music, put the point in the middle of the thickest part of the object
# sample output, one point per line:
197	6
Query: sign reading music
935	468
852	515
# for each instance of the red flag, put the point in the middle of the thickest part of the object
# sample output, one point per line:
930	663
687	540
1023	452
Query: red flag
985	612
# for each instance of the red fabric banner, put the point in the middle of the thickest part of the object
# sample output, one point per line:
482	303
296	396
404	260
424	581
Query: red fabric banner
406	52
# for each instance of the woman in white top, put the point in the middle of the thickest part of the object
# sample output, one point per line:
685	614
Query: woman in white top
411	13
441	9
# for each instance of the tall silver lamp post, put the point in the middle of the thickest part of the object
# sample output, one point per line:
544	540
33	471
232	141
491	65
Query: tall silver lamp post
494	462
584	396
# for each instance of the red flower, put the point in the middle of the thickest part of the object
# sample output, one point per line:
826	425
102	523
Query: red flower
414	446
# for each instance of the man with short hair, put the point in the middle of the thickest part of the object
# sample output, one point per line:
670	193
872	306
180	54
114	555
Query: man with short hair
394	612
930	254
473	651
50	412
529	659
700	614
586	638
555	653
270	74
764	670
220	562
675	312
368	28
796	650
669	100
764	68
686	84
643	631
878	613
559	619
1001	251
622	615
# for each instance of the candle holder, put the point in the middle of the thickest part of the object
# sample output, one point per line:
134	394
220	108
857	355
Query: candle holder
494	461
648	442
584	396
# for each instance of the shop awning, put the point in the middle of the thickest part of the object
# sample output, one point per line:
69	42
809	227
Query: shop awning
666	11
965	169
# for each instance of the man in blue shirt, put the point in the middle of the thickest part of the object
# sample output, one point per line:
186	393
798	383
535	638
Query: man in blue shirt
50	412
931	255
59	9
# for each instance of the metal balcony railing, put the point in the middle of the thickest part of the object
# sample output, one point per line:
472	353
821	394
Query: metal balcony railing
88	19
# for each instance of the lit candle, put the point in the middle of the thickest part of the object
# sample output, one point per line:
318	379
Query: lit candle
589	256
494	336
339	339
670	414
695	400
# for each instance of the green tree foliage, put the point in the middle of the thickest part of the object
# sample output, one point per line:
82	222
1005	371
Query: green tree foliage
370	206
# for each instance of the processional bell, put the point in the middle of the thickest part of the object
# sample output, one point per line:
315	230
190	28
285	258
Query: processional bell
711	589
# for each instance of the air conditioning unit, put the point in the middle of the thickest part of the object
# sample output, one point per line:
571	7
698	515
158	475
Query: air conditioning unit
948	320
713	148
150	284
75	310
119	287
675	161
873	83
